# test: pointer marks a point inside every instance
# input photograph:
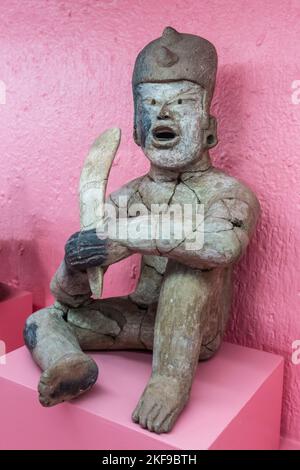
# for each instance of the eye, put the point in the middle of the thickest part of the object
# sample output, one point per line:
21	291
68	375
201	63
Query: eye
179	101
153	101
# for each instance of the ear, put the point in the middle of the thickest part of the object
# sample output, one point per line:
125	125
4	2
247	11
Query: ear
136	137
210	134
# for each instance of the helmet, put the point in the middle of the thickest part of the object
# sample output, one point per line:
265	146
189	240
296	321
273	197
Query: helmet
176	56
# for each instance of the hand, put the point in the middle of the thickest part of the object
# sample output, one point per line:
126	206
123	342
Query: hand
84	250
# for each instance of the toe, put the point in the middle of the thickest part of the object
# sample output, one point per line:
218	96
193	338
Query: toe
44	401
168	424
136	413
145	412
160	419
152	416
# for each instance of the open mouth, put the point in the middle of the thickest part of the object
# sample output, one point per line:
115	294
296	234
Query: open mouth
164	136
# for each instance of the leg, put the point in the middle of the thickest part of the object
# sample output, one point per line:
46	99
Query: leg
115	323
67	371
55	335
186	299
218	318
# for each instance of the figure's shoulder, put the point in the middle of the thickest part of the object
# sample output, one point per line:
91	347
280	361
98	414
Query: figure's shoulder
236	189
216	184
126	191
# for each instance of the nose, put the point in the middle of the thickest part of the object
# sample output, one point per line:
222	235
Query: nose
164	114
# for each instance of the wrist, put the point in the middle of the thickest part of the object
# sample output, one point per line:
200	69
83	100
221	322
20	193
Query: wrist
115	251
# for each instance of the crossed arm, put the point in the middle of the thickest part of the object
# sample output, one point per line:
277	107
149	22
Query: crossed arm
225	230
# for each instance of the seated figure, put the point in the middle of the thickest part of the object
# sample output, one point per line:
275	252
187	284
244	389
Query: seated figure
181	304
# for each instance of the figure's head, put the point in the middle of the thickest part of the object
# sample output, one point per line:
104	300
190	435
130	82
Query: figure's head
173	83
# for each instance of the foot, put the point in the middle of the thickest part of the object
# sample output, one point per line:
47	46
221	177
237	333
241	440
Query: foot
69	377
159	406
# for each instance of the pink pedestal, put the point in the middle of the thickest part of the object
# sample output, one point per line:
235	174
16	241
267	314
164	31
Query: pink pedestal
235	404
289	444
15	307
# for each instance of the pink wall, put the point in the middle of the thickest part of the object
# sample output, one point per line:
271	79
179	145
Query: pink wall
67	69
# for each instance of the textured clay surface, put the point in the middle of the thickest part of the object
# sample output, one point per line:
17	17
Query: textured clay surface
67	66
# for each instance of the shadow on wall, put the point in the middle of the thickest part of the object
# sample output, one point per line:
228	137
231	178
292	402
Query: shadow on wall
234	84
5	291
228	107
21	267
263	279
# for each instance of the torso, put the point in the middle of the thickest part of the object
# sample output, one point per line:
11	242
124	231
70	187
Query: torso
195	188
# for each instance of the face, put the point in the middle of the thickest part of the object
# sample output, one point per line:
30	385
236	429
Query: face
170	122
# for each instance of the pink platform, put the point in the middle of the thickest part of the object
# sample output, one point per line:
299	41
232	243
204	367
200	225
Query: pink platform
15	307
235	404
289	444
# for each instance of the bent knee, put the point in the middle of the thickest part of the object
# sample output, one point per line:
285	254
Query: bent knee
36	317
38	320
30	329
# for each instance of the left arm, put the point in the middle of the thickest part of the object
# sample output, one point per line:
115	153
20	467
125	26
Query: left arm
225	231
224	234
